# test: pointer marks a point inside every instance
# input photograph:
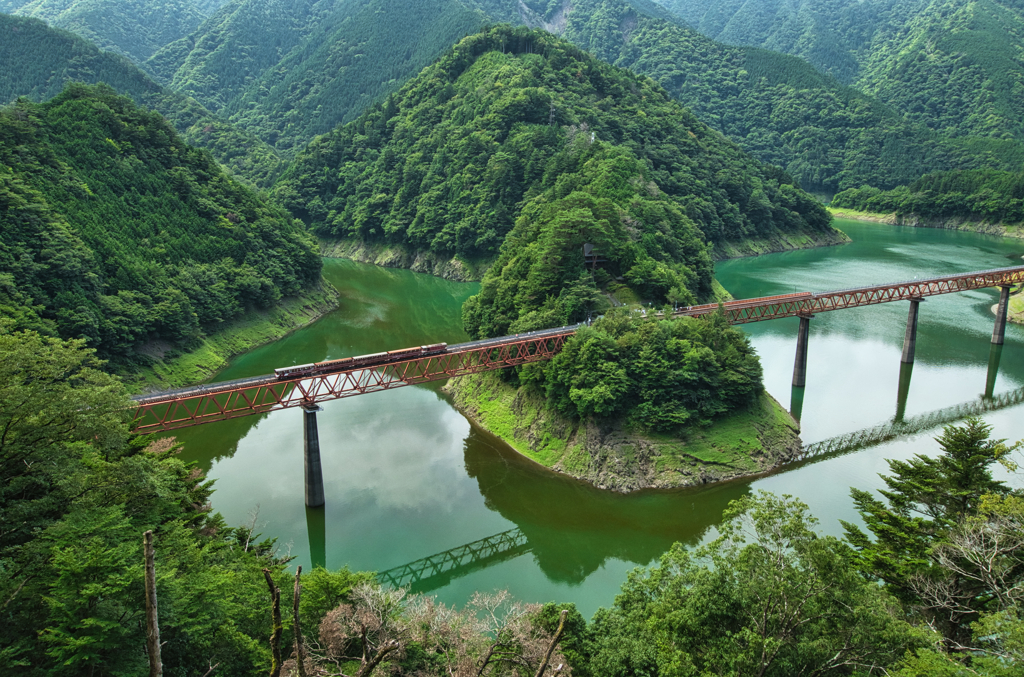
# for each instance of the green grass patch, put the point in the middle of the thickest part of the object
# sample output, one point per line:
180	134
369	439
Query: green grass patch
855	215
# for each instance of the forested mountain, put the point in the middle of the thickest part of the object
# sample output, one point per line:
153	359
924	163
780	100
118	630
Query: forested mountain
117	231
291	70
952	65
831	34
825	135
41	60
134	28
519	127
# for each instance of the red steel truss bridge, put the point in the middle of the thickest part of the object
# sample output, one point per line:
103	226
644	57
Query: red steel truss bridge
232	399
244	397
808	303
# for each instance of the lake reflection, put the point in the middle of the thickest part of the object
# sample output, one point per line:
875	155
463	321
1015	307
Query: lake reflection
407	476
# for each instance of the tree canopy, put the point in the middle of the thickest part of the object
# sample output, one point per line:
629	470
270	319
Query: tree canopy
118	232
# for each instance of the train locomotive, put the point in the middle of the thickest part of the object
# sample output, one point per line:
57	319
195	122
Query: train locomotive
372	360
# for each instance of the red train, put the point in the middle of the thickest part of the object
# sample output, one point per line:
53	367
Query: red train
344	363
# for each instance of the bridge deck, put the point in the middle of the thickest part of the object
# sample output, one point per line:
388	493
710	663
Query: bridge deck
231	399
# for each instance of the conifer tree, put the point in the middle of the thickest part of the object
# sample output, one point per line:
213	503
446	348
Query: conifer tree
926	499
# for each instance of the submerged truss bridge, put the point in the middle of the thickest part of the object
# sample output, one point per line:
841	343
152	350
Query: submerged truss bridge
437	570
308	385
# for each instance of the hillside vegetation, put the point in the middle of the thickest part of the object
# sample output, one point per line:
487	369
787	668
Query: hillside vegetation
42	60
511	120
981	195
134	28
291	71
325	64
117	231
953	66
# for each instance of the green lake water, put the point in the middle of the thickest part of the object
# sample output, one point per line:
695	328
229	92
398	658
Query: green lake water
407	476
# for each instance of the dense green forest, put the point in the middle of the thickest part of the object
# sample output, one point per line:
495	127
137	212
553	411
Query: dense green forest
289	72
135	28
970	195
929	585
951	65
518	144
326	62
936	80
510	120
117	231
778	108
42	60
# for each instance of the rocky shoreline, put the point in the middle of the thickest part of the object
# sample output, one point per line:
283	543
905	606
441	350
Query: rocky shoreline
779	242
394	256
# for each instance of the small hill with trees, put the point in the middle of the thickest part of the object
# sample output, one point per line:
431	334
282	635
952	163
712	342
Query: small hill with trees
118	232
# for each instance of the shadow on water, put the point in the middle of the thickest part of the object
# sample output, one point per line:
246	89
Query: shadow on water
994	355
572	528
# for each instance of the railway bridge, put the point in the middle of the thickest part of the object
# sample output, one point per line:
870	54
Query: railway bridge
308	385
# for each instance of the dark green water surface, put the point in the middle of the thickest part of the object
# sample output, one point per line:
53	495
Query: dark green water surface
407	476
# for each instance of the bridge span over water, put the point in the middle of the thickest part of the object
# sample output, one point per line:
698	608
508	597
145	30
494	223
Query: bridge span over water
307	387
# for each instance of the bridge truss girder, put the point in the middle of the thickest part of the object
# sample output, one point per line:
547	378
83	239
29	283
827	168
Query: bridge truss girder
260	396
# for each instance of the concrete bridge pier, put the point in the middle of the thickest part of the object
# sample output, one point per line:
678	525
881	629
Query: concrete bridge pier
800	368
1004	303
910	338
314	473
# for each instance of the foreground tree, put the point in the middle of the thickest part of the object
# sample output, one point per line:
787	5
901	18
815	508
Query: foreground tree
768	597
924	544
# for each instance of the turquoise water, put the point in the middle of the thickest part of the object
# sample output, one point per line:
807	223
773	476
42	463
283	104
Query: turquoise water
407	476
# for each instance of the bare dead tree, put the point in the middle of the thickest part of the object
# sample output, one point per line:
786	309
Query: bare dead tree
982	565
156	668
275	635
554	642
255	514
16	592
374	622
299	651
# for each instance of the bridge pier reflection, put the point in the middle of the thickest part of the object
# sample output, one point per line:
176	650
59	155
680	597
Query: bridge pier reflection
999	331
796	403
906	370
314	473
316	531
993	369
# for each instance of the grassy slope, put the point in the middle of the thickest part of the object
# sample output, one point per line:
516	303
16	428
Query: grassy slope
172	369
744	443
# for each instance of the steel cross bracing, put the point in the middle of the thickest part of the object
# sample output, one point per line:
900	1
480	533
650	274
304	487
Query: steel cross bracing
807	303
221	401
233	399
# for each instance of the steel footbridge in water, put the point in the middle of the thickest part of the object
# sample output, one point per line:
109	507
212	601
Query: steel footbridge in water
308	385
